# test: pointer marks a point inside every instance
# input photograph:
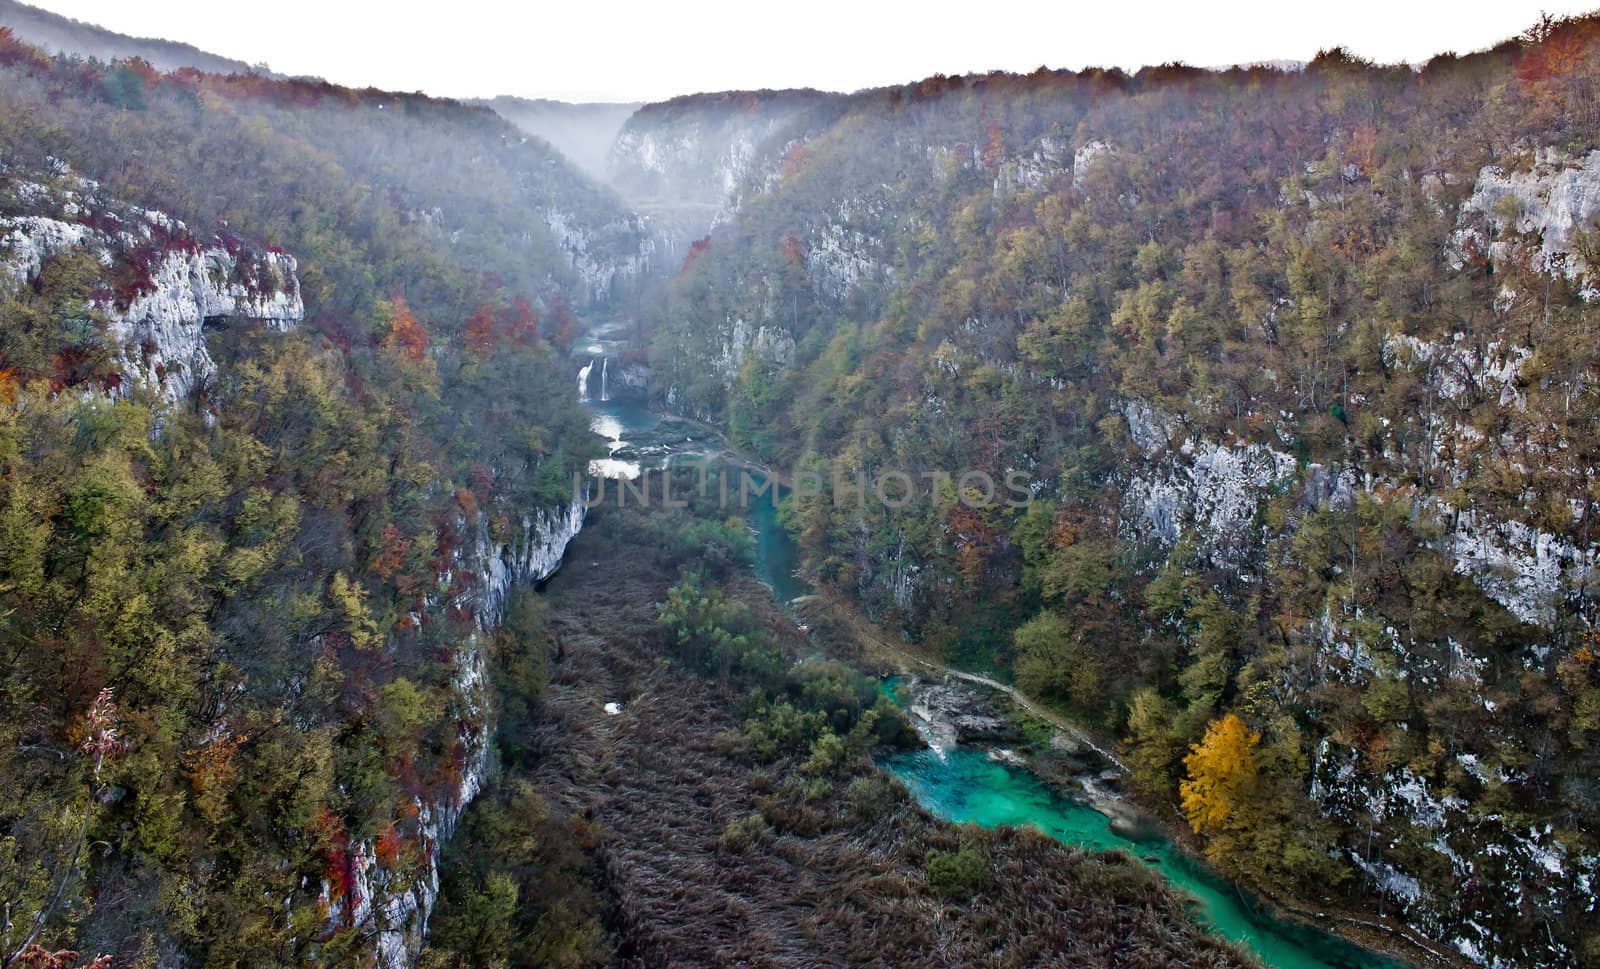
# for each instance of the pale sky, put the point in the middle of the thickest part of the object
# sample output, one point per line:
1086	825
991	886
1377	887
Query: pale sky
632	50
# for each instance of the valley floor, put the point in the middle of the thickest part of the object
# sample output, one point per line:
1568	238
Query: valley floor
832	878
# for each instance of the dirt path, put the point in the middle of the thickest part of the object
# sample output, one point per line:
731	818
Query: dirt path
877	646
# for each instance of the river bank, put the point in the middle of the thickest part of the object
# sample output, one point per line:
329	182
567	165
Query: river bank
1123	812
1119	822
708	851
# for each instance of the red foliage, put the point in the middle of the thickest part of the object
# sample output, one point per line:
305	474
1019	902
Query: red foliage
563	323
479	336
407	336
482	478
14	51
388	848
36	956
522	323
697	248
1558	48
338	863
994	148
391	552
145	71
468	501
794	251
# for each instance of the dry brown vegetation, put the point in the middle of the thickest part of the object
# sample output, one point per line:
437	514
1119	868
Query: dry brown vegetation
707	858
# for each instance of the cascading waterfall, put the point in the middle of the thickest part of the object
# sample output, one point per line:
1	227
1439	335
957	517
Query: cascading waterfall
583	381
604	394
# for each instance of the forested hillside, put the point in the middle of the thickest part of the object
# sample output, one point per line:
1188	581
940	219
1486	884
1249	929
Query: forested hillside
280	425
56	34
1299	369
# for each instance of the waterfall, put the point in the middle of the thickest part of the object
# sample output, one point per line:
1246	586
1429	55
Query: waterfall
604	395
583	381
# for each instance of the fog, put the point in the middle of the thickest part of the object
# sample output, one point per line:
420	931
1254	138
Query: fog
632	50
581	132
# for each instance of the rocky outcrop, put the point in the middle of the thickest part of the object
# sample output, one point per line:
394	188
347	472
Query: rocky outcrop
699	148
767	344
1533	214
947	714
1509	867
1087	157
603	256
393	908
163	284
1213	490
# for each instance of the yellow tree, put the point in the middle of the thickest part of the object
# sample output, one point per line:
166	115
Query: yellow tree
1222	773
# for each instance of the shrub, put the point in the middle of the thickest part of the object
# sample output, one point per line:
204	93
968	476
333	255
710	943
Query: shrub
743	834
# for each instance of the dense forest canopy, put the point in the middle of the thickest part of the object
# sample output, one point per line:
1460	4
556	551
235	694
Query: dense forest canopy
1295	368
1301	368
234	624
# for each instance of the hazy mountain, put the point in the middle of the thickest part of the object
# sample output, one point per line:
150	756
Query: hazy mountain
582	132
63	35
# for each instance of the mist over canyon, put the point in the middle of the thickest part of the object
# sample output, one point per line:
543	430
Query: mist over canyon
1076	518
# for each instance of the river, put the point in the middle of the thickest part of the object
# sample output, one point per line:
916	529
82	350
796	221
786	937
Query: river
963	784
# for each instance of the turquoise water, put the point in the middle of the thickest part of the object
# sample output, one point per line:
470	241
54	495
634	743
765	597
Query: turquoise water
777	556
635	438
964	785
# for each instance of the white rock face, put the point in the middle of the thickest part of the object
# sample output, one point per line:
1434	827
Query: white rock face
1085	158
162	331
1460	368
394	910
603	257
840	259
1533	214
701	156
1212	489
1525	569
743	342
1035	170
1511	867
160	327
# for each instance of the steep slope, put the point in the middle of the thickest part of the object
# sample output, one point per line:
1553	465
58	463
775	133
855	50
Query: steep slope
279	432
685	161
720	804
1291	372
583	133
63	35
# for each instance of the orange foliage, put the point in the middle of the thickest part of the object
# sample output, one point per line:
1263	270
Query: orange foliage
994	148
145	71
794	250
794	161
478	338
1222	771
1362	149
975	540
1558	48
407	336
388	847
391	553
14	51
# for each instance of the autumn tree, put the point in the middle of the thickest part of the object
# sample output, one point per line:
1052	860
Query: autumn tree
522	323
406	336
479	335
1222	776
